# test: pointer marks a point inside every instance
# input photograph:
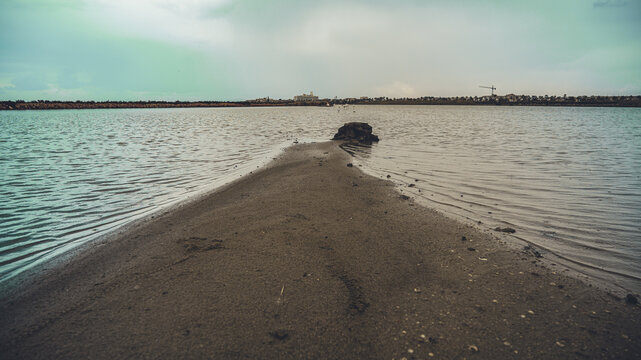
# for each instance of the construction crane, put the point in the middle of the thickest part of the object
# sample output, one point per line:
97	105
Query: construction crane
489	87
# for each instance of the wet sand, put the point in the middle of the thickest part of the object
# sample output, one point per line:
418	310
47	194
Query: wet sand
310	258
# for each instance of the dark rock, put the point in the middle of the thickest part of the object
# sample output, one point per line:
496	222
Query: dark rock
359	131
505	230
631	299
279	334
471	249
463	238
411	185
405	197
529	249
350	165
389	176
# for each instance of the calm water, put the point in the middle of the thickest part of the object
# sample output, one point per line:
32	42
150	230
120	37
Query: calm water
567	179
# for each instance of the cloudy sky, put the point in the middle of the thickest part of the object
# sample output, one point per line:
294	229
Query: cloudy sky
243	49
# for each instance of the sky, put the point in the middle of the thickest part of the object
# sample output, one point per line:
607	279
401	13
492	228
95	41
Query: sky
244	49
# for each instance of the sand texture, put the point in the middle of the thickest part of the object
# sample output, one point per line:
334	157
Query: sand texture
309	258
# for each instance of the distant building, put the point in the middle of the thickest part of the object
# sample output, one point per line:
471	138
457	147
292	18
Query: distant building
261	100
305	97
511	98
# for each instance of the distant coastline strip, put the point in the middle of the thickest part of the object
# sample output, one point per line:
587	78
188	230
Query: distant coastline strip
503	100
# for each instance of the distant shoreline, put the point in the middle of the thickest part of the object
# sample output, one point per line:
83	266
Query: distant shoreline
507	100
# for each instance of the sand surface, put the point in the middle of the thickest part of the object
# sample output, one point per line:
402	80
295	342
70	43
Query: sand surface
309	258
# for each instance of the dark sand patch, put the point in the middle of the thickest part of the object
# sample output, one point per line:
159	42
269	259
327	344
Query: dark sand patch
295	261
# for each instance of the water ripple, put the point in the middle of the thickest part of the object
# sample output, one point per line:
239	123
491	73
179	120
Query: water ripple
573	173
569	180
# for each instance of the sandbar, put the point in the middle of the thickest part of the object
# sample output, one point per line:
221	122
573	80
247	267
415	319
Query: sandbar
311	258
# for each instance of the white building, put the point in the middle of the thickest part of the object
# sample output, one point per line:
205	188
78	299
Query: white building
305	97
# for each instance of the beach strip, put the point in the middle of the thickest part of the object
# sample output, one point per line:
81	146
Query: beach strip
311	258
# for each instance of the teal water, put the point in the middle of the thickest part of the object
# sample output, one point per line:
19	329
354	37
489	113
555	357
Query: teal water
67	177
567	179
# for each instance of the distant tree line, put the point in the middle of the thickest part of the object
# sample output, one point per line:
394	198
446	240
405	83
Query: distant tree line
61	105
505	100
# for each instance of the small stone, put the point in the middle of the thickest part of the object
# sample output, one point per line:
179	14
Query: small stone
522	316
530	312
410	351
411	185
279	334
473	348
430	354
560	344
350	165
389	176
417	290
463	238
507	343
631	299
495	301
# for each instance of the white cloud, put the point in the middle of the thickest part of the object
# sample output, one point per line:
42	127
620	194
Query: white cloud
5	83
397	89
180	22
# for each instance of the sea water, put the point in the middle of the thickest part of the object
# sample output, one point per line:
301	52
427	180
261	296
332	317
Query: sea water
568	180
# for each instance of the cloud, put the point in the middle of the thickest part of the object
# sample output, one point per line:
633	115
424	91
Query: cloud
5	83
396	89
235	49
28	82
178	22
